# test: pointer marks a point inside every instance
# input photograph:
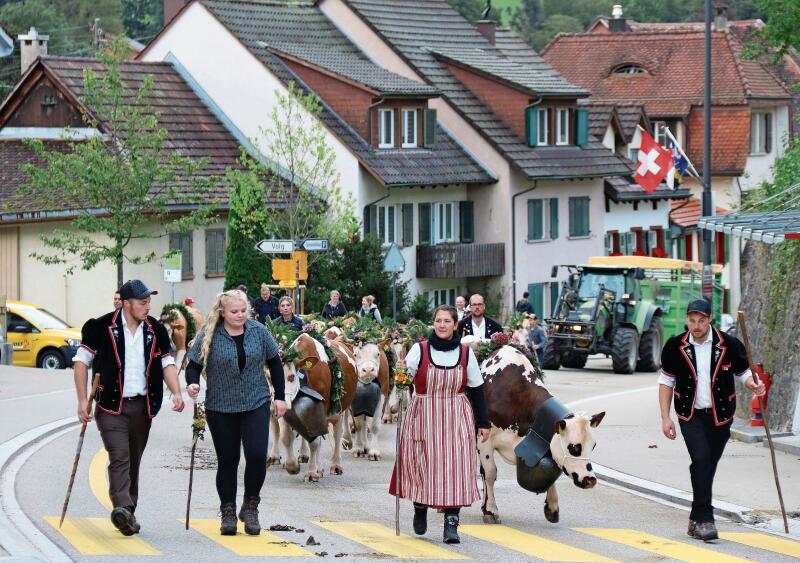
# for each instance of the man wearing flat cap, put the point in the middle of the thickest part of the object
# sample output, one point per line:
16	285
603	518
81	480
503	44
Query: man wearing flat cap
698	369
131	352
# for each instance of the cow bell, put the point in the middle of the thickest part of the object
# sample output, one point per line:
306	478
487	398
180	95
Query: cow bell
540	477
307	415
366	399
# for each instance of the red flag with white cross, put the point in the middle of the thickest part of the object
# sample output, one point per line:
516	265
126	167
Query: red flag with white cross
654	163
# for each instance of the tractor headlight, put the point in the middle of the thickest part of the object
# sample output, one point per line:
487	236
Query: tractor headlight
626	296
632	303
577	328
72	342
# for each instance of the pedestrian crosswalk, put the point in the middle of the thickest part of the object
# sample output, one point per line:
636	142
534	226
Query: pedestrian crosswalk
266	544
97	536
530	544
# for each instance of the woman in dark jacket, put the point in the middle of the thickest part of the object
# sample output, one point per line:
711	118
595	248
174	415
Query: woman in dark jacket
334	307
231	351
287	316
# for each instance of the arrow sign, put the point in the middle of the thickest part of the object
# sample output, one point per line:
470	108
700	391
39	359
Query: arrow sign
275	246
313	244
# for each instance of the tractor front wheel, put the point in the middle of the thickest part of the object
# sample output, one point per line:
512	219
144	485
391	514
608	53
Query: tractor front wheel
573	360
625	349
552	359
650	347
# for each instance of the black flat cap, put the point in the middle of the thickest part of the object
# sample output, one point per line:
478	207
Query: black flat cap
699	306
135	289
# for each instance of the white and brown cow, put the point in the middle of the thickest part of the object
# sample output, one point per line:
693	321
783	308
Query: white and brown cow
397	399
371	365
513	394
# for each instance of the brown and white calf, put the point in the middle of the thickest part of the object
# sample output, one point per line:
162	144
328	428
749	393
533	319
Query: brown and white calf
371	365
513	395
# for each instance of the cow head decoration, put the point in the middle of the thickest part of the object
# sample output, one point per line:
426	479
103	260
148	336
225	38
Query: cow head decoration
572	445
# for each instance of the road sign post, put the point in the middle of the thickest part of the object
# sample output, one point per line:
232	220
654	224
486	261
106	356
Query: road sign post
394	263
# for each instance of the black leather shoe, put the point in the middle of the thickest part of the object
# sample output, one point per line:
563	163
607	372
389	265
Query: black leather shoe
451	528
249	515
124	521
420	519
706	531
228	525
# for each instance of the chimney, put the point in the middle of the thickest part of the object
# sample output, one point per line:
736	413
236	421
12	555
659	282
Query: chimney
617	23
487	29
721	19
31	46
172	7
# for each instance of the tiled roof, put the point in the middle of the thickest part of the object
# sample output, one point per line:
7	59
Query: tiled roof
619	189
674	64
730	139
305	27
600	117
414	28
629	118
625	117
686	213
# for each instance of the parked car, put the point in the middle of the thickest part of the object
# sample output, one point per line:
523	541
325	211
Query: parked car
39	338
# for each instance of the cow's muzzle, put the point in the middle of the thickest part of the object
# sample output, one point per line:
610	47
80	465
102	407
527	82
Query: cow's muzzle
586	483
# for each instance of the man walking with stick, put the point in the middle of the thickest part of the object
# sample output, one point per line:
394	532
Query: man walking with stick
698	370
131	352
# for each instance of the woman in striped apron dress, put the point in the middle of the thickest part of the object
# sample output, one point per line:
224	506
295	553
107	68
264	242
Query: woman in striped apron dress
438	464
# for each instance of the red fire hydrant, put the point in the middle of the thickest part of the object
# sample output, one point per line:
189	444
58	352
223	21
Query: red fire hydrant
756	416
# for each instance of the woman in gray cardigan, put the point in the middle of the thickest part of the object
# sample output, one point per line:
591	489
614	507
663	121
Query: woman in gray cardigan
231	351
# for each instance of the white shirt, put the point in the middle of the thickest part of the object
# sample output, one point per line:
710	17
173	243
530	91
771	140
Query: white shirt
702	355
447	360
479	330
461	313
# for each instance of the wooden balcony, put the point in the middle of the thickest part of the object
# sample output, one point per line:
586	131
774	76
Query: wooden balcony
461	260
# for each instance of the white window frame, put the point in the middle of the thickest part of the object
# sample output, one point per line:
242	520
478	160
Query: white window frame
441	212
442	296
757	119
562	133
409	134
543	127
387	224
382	144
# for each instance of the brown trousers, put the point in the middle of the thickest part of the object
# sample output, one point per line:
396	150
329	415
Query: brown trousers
124	437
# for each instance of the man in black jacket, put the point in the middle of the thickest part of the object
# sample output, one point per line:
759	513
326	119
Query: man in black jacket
698	370
266	305
130	351
477	324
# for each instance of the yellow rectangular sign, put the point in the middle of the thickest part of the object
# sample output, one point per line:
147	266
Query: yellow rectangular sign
286	269
287	283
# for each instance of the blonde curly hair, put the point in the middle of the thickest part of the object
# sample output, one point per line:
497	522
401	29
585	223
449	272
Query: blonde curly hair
221	301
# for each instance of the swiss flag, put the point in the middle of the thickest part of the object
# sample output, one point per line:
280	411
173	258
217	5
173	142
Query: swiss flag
654	163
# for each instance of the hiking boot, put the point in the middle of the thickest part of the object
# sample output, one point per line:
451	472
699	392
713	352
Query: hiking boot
249	515
690	530
228	524
124	521
451	527
420	518
706	531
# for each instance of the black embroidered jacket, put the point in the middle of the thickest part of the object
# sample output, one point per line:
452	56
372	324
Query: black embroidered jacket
465	326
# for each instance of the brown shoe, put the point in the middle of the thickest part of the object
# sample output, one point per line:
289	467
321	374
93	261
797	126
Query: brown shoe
228	524
249	515
690	530
706	531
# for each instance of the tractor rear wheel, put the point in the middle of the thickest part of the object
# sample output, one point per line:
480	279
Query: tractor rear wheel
552	358
650	347
573	360
624	350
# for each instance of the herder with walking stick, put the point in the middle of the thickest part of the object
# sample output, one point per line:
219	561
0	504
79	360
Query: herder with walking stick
131	352
698	369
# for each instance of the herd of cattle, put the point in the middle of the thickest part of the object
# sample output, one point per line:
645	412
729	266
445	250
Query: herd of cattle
512	385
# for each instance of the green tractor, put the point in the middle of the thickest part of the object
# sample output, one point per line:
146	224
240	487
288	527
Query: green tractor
624	307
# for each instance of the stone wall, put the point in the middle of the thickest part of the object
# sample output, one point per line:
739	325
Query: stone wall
778	350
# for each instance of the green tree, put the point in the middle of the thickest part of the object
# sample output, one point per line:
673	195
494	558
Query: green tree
782	31
142	18
121	186
471	9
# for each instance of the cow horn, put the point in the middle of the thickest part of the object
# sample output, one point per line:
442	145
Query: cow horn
596	419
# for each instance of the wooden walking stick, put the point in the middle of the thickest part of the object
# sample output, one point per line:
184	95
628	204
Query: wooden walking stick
743	330
398	465
78	451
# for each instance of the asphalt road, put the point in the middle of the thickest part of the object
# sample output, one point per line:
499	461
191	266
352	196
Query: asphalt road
349	516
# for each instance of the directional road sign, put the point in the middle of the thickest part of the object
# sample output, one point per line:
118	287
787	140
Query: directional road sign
275	246
313	244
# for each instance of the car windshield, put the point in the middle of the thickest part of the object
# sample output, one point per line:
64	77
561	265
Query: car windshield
591	282
44	319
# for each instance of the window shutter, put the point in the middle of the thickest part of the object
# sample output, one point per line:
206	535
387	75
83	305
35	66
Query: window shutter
767	133
424	211
531	124
536	297
429	126
408	224
581	126
535	227
370	220
553	218
572	217
466	217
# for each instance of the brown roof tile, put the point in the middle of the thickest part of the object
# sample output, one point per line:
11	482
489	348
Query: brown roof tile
686	213
730	139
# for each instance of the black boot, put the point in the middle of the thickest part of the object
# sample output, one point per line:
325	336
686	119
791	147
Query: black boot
420	518
228	524
451	526
124	520
249	515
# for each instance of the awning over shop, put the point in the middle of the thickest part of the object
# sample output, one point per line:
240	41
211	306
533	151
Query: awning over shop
771	227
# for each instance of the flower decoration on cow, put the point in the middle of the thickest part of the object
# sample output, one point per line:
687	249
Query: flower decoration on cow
284	336
364	330
500	339
417	330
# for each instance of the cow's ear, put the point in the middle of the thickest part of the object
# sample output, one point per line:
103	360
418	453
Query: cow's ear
306	363
596	419
561	426
384	343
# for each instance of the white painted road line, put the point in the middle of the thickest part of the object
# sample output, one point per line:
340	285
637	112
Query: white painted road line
36	395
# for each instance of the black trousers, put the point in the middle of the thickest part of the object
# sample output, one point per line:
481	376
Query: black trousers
231	432
705	443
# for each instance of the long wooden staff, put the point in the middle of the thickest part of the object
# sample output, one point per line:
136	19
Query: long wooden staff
398	464
743	330
191	467
78	452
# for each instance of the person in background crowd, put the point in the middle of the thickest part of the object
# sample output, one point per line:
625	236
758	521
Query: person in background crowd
250	300
334	307
265	305
537	338
287	316
369	309
130	390
461	307
477	324
231	350
523	305
698	369
117	300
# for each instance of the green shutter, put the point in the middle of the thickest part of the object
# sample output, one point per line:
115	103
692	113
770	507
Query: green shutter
466	218
554	292
581	126
572	216
535	226
408	224
536	297
424	211
429	128
553	218
531	126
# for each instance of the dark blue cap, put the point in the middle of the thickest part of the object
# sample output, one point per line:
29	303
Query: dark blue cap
699	306
135	289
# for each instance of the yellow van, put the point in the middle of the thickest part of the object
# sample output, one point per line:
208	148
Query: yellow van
39	338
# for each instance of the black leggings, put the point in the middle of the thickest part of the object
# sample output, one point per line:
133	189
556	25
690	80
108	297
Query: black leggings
231	431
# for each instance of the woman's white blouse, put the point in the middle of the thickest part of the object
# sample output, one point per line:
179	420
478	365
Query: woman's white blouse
446	360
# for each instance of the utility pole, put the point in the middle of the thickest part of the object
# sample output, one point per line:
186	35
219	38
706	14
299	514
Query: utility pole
707	208
96	32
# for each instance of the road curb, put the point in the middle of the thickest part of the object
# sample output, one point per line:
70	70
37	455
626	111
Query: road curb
19	536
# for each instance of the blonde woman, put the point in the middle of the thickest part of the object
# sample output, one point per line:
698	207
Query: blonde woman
231	351
369	309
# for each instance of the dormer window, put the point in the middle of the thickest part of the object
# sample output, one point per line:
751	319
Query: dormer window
562	126
543	126
409	128
386	129
629	69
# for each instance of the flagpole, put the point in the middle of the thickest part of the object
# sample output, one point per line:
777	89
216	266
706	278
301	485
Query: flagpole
707	211
677	145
